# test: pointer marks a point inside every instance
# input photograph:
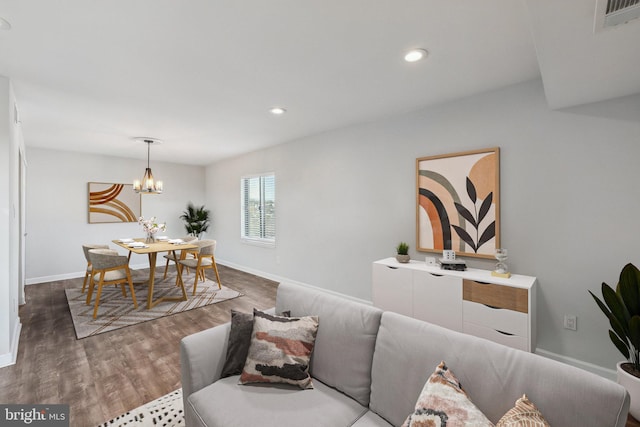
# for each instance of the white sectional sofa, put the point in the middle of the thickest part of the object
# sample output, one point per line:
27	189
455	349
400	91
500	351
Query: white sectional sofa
369	367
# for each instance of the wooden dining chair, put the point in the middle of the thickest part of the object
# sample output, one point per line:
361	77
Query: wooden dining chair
183	253
205	259
108	267
87	274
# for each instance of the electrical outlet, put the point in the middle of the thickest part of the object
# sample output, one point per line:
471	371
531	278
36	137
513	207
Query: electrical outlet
570	322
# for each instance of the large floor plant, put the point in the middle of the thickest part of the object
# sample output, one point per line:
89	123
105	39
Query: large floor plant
622	308
196	219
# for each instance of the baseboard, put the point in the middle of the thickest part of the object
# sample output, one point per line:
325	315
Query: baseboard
609	374
54	278
10	358
75	275
277	278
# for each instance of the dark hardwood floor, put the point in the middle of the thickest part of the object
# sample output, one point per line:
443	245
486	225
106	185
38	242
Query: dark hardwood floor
103	376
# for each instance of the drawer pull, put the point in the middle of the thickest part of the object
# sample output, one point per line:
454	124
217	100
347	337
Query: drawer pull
503	333
393	268
436	275
493	307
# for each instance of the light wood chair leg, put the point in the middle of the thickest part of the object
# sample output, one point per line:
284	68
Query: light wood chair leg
95	308
195	282
215	268
133	294
166	268
84	283
92	284
124	291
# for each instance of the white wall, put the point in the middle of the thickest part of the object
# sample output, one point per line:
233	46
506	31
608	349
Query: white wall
57	213
10	144
569	193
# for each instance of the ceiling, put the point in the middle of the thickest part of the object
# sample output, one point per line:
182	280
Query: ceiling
201	75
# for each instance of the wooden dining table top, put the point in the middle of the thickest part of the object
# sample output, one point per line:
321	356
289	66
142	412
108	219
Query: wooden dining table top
157	246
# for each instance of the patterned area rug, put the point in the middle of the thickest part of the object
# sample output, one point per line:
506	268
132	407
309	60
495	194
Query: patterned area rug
166	411
116	311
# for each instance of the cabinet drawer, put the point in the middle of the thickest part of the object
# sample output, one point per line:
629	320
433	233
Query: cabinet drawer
514	341
438	299
392	289
498	296
500	319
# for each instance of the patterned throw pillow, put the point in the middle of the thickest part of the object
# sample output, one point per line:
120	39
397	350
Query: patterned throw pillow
239	341
443	402
280	350
524	414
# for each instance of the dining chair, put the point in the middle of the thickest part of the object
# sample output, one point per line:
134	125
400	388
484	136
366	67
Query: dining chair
86	249
183	253
108	267
205	259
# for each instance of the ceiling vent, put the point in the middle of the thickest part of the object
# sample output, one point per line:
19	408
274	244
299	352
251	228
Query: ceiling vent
610	13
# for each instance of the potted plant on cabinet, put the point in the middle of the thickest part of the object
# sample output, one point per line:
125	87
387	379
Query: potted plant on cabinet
196	220
622	308
402	252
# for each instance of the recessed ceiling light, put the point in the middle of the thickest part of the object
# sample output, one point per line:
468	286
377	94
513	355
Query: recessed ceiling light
277	111
415	55
4	24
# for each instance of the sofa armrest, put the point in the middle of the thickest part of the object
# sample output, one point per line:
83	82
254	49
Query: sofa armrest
202	357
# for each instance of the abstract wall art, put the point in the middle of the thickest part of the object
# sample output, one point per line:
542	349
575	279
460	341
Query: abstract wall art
113	203
458	203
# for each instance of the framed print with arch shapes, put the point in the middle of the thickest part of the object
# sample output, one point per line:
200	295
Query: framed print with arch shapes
458	203
113	203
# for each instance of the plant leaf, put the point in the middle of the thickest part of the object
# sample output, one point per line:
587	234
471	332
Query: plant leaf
603	307
471	191
621	346
487	234
466	214
634	331
484	208
465	236
615	305
617	328
628	289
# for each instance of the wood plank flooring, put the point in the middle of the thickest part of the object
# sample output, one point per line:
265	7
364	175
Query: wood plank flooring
103	376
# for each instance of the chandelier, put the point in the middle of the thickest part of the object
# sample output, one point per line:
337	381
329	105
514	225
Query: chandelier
148	184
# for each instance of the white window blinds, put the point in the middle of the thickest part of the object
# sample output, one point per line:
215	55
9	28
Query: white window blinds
258	210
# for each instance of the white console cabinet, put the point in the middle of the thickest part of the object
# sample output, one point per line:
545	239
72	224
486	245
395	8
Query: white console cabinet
471	301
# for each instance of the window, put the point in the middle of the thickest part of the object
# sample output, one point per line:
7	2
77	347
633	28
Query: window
258	210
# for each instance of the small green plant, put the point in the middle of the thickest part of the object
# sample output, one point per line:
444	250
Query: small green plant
622	308
402	248
196	220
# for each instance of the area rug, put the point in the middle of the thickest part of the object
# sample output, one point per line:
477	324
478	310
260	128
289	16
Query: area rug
166	411
115	311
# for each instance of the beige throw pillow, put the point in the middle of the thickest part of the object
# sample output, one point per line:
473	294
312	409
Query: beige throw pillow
444	402
280	350
524	414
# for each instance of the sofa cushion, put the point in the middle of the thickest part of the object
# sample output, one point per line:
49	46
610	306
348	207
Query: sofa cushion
443	401
345	341
280	350
239	342
371	419
525	414
494	375
225	403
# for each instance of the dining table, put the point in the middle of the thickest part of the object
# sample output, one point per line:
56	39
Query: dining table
152	249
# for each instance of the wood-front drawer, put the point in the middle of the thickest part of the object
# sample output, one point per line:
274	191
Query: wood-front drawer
514	341
498	296
500	319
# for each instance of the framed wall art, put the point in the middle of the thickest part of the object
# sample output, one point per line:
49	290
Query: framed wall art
113	203
458	203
